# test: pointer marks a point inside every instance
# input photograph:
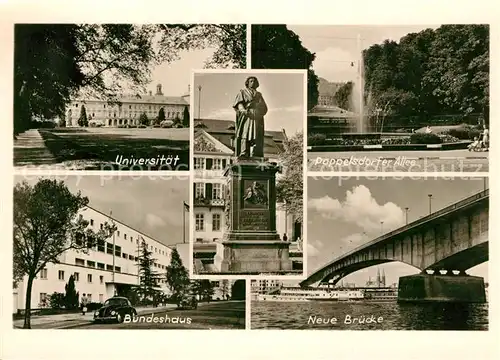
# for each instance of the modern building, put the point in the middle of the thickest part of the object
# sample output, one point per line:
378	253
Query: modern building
107	269
213	151
127	109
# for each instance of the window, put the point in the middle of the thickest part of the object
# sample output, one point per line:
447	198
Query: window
199	239
91	222
118	269
109	267
101	226
217	191
91	264
100	245
199	190
101	279
200	222
89	297
61	275
89	278
216	222
109	248
199	163
76	276
217	164
43	274
80	262
101	298
124	255
100	266
130	257
118	251
118	232
125	236
43	298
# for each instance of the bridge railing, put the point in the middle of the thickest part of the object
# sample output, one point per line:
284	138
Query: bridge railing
434	215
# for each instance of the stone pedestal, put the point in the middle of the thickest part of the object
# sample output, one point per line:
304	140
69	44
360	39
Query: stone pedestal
441	288
251	243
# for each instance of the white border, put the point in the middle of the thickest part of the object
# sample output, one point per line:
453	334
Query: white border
249	277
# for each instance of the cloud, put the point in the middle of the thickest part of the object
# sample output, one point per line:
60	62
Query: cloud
154	221
361	209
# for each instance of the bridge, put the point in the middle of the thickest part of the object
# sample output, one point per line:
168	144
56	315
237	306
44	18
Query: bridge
451	240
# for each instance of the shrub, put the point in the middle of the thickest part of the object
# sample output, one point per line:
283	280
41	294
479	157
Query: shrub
316	139
420	138
467	133
178	126
57	300
449	139
93	306
142	126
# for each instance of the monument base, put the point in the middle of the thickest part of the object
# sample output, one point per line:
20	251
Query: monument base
258	256
441	288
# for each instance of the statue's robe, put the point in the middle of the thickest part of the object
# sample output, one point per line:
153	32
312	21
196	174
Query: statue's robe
249	134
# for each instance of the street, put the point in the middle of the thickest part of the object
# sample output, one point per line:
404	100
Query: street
217	315
400	161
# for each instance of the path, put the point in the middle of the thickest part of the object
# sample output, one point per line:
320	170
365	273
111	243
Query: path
30	149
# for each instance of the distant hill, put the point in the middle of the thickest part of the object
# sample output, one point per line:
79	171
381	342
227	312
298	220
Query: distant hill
328	88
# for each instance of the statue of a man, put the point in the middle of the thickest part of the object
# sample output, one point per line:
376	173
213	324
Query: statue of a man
250	109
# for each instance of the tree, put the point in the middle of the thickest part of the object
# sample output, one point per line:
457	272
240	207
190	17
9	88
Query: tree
71	295
289	186
343	96
161	116
224	289
276	47
238	291
228	40
82	120
143	119
45	225
177	277
148	278
185	117
204	289
53	62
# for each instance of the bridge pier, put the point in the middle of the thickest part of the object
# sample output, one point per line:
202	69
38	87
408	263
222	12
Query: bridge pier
441	288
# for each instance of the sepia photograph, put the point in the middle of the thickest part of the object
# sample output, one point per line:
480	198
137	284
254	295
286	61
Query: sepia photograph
111	252
409	98
249	165
112	96
387	254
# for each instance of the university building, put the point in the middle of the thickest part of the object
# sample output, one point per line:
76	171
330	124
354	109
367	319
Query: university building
213	151
128	109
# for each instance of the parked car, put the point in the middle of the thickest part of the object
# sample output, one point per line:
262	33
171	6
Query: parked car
114	309
187	300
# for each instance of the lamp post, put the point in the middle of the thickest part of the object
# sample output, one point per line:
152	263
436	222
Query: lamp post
381	227
199	101
430	203
406	211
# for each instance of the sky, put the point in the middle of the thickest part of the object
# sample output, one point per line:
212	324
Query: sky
175	76
285	108
337	46
150	204
344	214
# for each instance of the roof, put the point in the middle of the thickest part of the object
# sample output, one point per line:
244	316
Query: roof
146	99
223	131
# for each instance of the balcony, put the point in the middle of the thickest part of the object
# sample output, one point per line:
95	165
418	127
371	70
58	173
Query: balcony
200	201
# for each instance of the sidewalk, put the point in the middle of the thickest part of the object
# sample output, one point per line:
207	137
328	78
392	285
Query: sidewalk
63	321
30	149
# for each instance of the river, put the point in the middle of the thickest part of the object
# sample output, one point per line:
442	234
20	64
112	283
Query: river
388	316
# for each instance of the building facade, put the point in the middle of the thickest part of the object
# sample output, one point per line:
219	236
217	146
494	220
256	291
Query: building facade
213	151
107	269
127	109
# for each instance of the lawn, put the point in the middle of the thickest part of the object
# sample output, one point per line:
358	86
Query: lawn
99	148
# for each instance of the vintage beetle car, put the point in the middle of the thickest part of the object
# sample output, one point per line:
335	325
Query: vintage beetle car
115	309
